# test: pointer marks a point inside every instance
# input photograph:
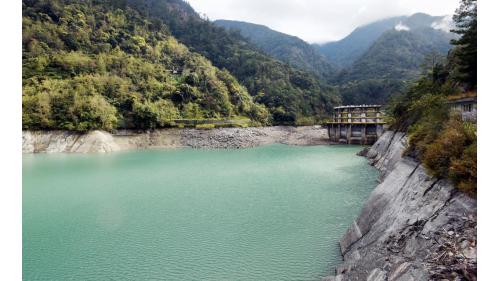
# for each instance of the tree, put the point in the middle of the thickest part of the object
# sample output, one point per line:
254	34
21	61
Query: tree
92	112
151	115
36	111
466	26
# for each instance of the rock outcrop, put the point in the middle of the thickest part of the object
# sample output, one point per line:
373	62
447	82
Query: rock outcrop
63	141
412	227
102	142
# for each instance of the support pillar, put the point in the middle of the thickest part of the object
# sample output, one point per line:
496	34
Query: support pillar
349	132
363	135
380	130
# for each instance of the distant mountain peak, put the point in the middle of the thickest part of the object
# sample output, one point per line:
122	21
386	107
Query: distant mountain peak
346	51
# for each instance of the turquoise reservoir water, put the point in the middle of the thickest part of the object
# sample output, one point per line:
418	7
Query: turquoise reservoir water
266	213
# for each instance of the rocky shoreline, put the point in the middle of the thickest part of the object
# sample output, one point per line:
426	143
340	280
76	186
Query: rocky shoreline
121	140
412	227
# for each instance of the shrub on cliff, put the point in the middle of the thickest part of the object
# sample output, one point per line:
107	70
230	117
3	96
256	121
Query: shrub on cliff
463	171
430	111
453	154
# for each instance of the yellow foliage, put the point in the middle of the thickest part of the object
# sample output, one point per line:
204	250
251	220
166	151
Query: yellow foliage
205	126
453	155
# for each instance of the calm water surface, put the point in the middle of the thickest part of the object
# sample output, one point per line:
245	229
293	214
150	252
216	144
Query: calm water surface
266	213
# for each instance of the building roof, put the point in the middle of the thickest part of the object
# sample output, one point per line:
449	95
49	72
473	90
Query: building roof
358	106
464	97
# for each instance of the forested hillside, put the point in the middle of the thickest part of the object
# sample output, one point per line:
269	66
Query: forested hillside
112	64
95	67
284	47
291	95
399	54
347	50
393	60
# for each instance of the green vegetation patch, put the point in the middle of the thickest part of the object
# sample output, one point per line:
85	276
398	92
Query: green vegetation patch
87	65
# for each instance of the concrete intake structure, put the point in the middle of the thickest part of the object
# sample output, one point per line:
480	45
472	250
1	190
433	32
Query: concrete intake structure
356	124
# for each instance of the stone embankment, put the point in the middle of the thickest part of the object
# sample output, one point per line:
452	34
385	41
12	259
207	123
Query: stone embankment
412	227
101	142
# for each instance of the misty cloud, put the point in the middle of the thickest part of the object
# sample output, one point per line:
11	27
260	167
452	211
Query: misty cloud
319	20
401	27
446	24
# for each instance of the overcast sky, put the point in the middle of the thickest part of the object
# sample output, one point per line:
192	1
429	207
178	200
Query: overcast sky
318	21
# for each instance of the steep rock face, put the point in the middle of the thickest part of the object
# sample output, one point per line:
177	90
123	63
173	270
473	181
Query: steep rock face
413	227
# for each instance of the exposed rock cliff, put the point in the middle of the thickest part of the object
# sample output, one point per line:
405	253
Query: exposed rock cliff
413	227
101	142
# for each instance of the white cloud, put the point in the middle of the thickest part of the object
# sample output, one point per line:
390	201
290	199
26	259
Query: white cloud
401	27
445	24
318	20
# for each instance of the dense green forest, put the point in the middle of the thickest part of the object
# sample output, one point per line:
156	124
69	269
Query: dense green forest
444	142
284	47
292	96
399	55
392	62
113	64
87	66
371	90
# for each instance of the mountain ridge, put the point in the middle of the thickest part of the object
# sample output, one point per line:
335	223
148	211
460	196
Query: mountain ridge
350	48
284	47
377	60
